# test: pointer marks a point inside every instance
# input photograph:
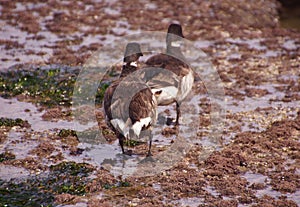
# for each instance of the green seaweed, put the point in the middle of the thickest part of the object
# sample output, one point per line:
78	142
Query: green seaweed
28	193
67	132
72	168
123	184
13	122
47	87
66	177
100	92
7	156
51	86
132	143
119	184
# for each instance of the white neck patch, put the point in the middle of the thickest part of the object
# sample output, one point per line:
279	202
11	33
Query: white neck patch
133	64
176	43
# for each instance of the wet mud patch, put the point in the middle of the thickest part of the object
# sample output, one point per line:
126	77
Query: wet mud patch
56	114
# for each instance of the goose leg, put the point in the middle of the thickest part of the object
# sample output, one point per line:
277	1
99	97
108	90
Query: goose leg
150	143
178	113
121	142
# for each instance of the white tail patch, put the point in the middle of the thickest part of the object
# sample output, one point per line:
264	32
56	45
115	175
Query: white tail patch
120	126
124	128
137	127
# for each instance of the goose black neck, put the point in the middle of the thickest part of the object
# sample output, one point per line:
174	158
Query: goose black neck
175	51
127	69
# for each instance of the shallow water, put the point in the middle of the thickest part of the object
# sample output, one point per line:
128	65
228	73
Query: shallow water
81	204
189	202
12	108
259	178
251	103
11	172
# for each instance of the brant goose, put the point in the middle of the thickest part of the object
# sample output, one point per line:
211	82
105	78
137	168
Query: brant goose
173	86
128	115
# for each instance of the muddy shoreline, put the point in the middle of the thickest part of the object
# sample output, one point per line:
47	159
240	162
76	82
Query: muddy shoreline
42	162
